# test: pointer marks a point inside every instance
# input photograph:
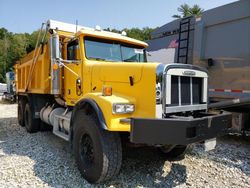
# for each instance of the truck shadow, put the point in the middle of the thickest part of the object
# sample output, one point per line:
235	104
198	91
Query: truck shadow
145	167
52	161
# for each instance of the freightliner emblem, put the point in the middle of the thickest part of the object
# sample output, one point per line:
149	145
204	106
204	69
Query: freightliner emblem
188	73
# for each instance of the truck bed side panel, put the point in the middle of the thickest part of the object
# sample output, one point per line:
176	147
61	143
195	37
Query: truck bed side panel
40	79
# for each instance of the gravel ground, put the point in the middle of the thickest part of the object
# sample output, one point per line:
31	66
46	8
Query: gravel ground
43	160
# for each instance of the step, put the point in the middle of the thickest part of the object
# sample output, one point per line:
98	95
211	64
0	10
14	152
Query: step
61	134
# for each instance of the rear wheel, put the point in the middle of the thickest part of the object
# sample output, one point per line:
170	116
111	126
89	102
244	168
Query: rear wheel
176	152
98	152
20	112
31	124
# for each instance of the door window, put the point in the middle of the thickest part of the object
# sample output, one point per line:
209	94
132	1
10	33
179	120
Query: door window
73	50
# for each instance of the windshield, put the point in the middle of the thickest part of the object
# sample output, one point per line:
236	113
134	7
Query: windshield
107	50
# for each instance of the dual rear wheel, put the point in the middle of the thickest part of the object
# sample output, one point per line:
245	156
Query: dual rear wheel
26	117
20	112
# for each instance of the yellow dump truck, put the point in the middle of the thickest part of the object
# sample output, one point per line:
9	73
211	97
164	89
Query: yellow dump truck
97	90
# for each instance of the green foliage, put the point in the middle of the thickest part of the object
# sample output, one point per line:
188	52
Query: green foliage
140	34
32	39
143	34
185	11
14	46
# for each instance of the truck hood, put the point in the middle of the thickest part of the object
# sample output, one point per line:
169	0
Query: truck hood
117	75
118	72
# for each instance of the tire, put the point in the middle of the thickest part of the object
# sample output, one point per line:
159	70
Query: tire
98	153
31	124
20	113
178	152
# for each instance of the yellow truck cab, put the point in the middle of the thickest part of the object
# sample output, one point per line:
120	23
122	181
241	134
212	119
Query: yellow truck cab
96	89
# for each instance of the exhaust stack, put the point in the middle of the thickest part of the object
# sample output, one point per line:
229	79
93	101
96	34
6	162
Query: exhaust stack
54	57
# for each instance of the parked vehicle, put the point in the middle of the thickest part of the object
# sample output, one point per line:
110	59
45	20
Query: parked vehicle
220	42
10	93
3	88
96	88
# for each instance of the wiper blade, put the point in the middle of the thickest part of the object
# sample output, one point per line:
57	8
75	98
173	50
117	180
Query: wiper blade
97	58
130	60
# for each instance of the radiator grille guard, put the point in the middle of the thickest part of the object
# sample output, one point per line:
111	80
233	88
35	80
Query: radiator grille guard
183	88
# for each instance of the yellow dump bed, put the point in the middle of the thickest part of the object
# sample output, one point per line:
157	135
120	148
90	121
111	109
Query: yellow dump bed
34	77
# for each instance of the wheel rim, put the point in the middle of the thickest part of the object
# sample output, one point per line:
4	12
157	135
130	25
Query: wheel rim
87	149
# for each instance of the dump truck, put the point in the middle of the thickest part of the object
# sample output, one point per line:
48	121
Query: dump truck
97	91
219	41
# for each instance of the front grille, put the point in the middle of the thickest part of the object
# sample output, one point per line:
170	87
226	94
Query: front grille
186	90
174	91
197	90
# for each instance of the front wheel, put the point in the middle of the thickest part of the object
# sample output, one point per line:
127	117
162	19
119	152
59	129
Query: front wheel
98	153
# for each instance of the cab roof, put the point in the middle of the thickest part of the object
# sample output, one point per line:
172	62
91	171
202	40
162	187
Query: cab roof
86	31
111	36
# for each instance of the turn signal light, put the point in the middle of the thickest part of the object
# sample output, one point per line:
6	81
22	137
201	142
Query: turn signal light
55	66
107	91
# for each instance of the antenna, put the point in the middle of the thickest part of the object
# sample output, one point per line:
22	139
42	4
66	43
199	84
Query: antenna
76	25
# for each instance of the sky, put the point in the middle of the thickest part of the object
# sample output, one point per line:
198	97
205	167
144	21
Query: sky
20	16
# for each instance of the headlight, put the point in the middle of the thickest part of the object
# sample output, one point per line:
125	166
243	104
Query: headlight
123	108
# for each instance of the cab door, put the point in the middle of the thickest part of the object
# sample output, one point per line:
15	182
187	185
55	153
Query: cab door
72	83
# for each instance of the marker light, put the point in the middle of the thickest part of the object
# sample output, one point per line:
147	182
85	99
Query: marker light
55	66
124	33
98	28
107	91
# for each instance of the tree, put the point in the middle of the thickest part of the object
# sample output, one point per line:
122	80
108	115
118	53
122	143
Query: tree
143	34
4	45
185	11
32	39
139	34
